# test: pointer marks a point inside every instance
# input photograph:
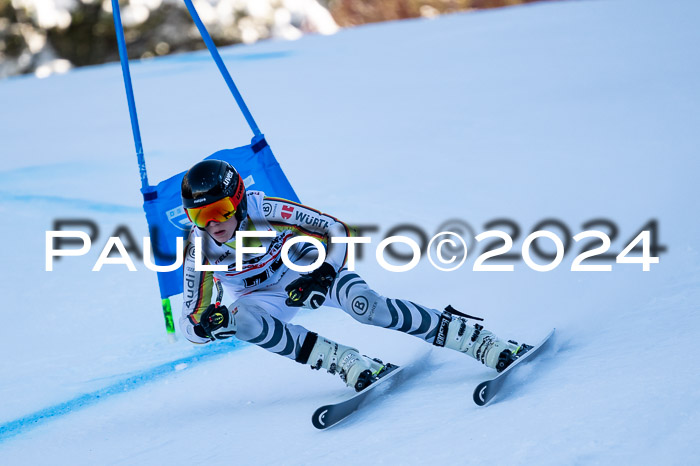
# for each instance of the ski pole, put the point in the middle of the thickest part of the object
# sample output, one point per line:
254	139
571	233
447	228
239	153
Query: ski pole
219	291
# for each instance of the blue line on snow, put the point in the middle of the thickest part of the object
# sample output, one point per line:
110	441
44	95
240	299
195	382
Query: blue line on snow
227	54
23	424
72	202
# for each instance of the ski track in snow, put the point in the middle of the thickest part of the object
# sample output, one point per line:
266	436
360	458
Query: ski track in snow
571	110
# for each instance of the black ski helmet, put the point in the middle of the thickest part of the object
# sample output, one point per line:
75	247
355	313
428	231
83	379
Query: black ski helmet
211	180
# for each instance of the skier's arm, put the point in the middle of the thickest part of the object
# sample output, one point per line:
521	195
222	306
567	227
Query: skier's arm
196	295
303	220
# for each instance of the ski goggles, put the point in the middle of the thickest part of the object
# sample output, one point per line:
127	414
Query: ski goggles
218	211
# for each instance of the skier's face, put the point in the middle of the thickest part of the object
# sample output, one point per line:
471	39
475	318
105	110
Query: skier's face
222	231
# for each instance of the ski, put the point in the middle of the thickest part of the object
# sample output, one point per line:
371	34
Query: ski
329	415
485	391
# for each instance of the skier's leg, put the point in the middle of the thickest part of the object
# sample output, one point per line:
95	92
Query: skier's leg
352	294
252	323
256	325
449	328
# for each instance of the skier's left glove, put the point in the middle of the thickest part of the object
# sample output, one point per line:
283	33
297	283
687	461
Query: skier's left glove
216	323
310	289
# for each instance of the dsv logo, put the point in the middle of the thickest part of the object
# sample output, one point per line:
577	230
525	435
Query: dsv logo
359	305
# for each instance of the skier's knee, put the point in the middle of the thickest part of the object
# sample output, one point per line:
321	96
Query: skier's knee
361	304
248	317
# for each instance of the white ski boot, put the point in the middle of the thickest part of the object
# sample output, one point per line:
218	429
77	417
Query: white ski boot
455	333
355	370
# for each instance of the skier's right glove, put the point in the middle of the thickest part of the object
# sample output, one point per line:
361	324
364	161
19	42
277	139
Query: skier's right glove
216	323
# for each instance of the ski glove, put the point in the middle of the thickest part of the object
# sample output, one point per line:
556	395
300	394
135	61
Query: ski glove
216	323
310	289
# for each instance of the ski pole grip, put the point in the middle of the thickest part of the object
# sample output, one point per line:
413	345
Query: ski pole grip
219	291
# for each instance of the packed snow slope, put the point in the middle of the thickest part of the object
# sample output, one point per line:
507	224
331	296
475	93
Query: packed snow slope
572	111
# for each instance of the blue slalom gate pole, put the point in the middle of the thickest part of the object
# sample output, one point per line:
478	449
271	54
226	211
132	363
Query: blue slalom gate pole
222	68
124	58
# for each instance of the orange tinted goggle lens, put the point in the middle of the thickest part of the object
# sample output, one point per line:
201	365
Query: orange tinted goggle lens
218	211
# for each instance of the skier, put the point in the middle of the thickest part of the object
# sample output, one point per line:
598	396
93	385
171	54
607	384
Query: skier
269	294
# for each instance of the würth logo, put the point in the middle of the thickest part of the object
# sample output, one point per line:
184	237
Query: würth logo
287	211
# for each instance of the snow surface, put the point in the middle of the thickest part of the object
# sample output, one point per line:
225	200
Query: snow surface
572	110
